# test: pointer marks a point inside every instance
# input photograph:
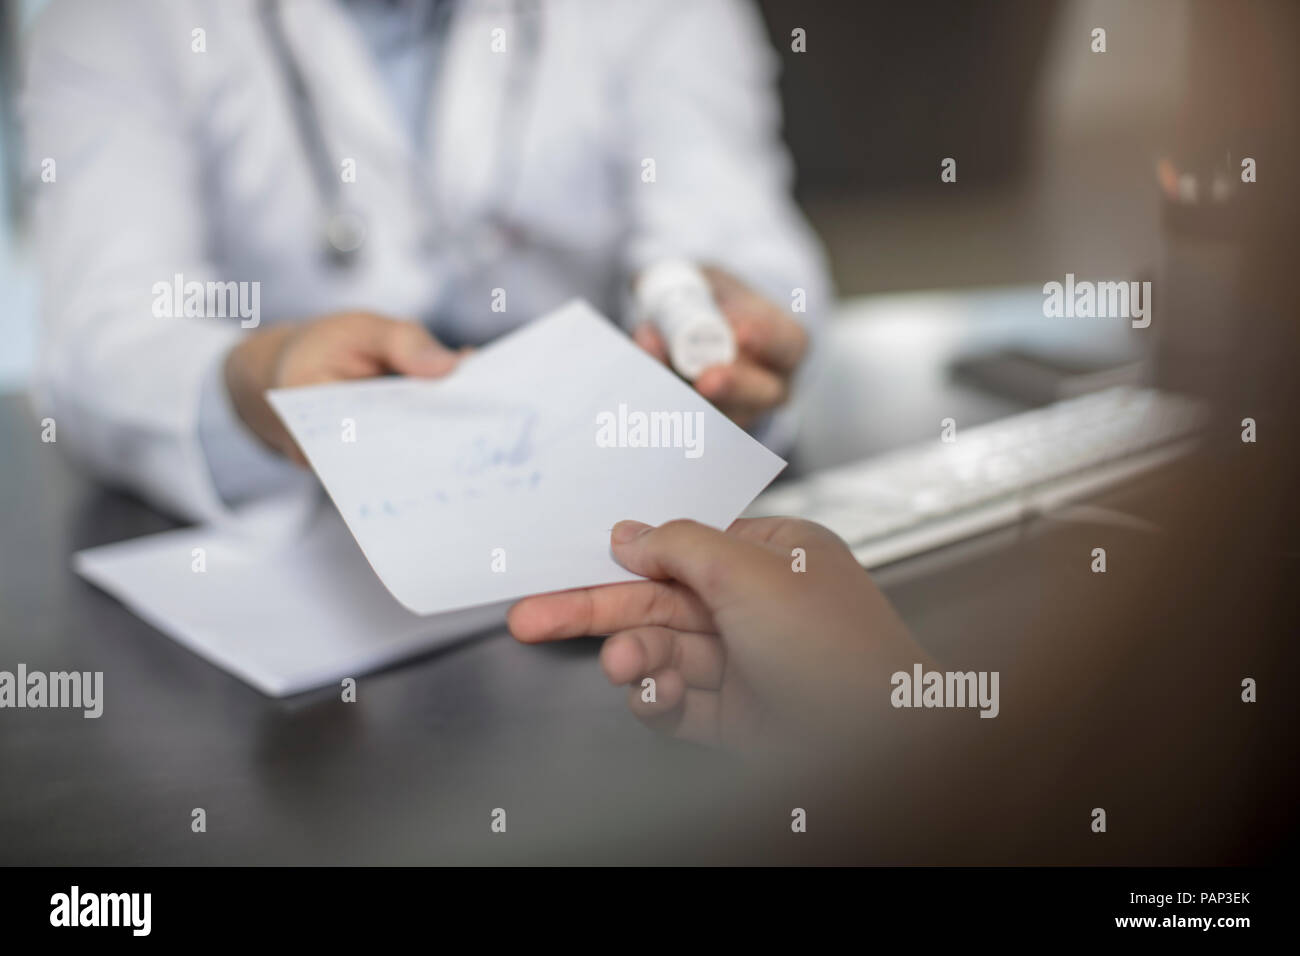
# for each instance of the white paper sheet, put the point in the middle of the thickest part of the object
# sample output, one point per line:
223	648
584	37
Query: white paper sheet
285	614
493	483
501	455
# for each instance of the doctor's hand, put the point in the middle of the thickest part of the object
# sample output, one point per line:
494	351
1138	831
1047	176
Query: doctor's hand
745	650
770	344
344	345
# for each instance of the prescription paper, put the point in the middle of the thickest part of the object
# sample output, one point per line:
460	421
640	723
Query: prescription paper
285	613
504	478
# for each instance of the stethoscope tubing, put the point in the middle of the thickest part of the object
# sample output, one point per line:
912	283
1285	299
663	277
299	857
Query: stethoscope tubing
339	223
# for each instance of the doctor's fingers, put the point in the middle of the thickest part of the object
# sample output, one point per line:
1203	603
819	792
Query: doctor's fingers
607	609
409	349
648	338
768	333
629	655
763	329
743	388
348	345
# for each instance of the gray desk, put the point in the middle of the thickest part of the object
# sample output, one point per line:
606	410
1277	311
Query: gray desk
412	772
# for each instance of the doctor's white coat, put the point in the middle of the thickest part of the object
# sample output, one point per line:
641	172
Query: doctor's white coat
173	161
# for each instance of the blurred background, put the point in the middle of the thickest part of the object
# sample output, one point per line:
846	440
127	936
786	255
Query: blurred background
1056	145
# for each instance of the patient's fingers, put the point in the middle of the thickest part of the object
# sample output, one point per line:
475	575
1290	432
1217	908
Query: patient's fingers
719	567
701	717
668	690
604	610
679	711
778	532
629	655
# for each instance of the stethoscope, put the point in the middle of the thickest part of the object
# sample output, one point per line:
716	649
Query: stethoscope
343	228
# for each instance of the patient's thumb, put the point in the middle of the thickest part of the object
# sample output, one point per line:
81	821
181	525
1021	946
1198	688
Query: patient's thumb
716	566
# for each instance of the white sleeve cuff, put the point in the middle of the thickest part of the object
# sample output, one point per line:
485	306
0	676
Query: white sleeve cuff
242	467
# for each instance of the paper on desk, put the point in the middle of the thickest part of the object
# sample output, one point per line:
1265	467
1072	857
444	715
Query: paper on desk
285	616
492	484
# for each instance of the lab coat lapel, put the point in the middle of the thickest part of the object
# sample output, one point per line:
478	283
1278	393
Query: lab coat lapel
357	115
359	120
468	109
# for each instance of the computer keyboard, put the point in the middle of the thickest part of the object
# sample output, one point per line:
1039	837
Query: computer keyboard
920	498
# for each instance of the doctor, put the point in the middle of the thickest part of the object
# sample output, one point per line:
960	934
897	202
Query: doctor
388	181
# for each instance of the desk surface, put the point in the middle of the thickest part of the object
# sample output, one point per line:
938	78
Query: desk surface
412	771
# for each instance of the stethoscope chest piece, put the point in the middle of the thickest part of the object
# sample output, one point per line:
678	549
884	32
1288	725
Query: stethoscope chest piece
344	229
345	233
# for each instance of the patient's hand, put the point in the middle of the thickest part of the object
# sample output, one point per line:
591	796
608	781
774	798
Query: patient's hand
770	345
744	649
332	348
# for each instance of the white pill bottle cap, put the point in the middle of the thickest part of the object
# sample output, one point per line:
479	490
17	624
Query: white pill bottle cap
675	296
